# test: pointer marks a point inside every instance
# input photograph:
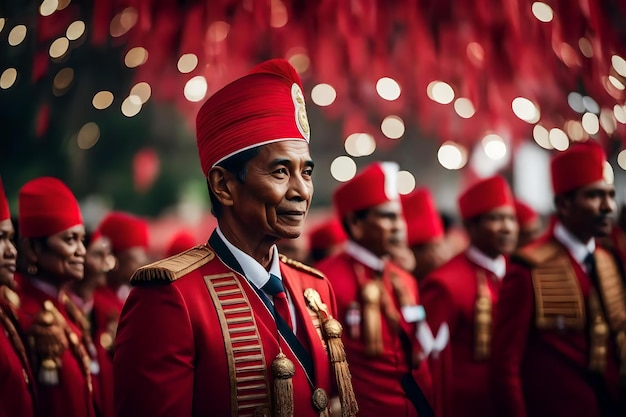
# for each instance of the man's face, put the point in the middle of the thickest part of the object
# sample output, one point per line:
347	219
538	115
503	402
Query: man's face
588	211
430	255
274	200
99	260
8	253
495	232
382	230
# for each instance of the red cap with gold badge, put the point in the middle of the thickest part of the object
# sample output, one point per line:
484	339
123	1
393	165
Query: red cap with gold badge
376	184
46	207
484	196
579	165
422	219
265	106
125	231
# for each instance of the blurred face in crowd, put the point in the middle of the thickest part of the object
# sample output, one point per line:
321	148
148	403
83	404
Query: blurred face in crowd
272	202
61	257
587	211
99	260
128	261
381	229
430	255
8	253
529	232
494	233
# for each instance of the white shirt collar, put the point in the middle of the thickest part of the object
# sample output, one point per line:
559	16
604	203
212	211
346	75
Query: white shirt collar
496	265
364	256
253	271
576	248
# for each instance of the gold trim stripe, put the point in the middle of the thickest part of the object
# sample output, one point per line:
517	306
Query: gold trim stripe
249	385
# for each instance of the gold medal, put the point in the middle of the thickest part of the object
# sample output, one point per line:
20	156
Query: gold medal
319	399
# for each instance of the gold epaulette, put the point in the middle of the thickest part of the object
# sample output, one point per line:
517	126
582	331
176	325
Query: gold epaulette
536	254
174	267
301	267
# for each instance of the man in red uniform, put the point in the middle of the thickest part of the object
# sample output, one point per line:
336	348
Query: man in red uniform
377	301
231	328
530	227
16	381
559	334
51	243
425	234
463	292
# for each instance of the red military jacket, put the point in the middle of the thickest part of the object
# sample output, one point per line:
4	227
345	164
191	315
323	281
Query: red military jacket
175	357
16	380
72	396
544	372
104	318
449	296
376	380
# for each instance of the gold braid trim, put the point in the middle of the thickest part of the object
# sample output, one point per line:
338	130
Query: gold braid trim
249	386
302	267
174	267
598	334
482	318
559	302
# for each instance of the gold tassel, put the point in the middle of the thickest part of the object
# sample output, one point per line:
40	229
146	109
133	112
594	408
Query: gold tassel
332	332
372	326
482	320
283	370
599	335
49	372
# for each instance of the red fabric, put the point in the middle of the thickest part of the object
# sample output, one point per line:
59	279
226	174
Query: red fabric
423	222
180	242
177	369
105	317
541	373
5	212
484	196
327	234
449	296
125	231
367	189
525	214
376	381
16	398
46	207
71	397
256	109
579	165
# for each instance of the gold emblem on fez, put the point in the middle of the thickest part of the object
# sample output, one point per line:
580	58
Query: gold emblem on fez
302	120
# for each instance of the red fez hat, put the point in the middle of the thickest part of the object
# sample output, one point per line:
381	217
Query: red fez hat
5	213
525	214
265	106
125	231
484	196
376	184
423	222
579	165
327	234
180	242
46	207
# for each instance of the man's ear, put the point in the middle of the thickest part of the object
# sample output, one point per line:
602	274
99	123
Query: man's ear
29	250
355	225
220	183
562	204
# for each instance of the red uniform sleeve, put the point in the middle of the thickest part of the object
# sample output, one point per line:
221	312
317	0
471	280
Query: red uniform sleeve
154	352
511	328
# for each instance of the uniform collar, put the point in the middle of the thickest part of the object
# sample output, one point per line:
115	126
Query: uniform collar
495	265
252	270
576	248
364	256
45	287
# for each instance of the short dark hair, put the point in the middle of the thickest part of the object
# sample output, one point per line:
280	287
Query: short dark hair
359	215
238	165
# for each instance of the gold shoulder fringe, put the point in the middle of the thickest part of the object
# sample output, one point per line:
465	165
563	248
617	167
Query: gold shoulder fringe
174	267
539	253
302	267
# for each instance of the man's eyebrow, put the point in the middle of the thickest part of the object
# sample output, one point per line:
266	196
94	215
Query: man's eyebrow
288	162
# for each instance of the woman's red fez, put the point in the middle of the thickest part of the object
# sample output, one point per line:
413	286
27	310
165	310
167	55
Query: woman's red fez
423	222
125	231
484	196
180	242
327	234
265	106
46	207
376	184
579	165
525	214
5	213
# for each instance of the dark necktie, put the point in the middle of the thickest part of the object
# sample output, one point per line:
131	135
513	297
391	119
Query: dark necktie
274	287
590	266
